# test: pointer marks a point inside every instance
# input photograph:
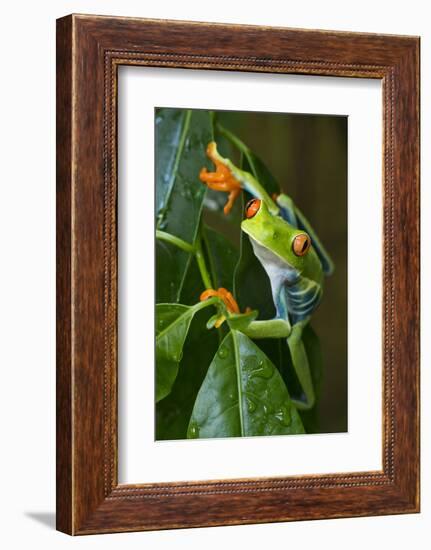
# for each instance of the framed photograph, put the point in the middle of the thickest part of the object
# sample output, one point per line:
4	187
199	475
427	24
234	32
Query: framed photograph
237	274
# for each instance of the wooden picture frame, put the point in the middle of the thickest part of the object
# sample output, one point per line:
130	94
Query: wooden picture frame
89	51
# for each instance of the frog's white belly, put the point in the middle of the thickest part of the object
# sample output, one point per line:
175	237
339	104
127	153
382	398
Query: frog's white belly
295	297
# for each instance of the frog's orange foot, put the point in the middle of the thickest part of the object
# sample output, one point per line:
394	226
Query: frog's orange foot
226	297
222	179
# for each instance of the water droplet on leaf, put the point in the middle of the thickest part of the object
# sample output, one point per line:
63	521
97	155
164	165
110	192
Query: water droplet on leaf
222	353
265	370
284	415
251	405
193	431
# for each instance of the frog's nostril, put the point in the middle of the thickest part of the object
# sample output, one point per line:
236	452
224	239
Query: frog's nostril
301	244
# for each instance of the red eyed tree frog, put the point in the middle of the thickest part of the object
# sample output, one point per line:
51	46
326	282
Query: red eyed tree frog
291	254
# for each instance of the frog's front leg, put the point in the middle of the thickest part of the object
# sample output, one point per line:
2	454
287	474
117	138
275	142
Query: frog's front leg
222	179
271	328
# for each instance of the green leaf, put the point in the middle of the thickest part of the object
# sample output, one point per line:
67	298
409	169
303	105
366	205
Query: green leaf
169	128
172	325
174	411
181	139
222	258
262	174
167	277
192	286
243	394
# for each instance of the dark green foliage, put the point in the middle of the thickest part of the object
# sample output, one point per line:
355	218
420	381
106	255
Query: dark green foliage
181	140
214	382
222	258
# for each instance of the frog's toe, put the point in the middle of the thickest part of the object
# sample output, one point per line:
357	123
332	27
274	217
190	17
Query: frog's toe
224	295
211	177
233	195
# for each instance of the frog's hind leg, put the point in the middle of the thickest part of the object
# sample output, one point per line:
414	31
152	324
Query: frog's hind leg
302	368
287	209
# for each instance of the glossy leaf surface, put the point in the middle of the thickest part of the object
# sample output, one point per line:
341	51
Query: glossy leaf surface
174	411
172	325
222	258
243	394
181	140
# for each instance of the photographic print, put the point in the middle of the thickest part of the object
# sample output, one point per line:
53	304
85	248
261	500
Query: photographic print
251	274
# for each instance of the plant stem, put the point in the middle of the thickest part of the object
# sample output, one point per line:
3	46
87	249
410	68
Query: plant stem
163	236
199	255
195	250
209	302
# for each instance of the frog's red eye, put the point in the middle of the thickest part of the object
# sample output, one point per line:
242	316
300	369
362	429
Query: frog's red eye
252	208
301	244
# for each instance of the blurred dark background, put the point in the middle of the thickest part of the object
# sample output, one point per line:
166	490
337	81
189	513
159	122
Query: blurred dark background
307	154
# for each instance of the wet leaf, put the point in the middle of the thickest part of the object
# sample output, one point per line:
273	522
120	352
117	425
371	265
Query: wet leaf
172	325
168	279
174	411
222	258
169	127
243	394
182	136
262	174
